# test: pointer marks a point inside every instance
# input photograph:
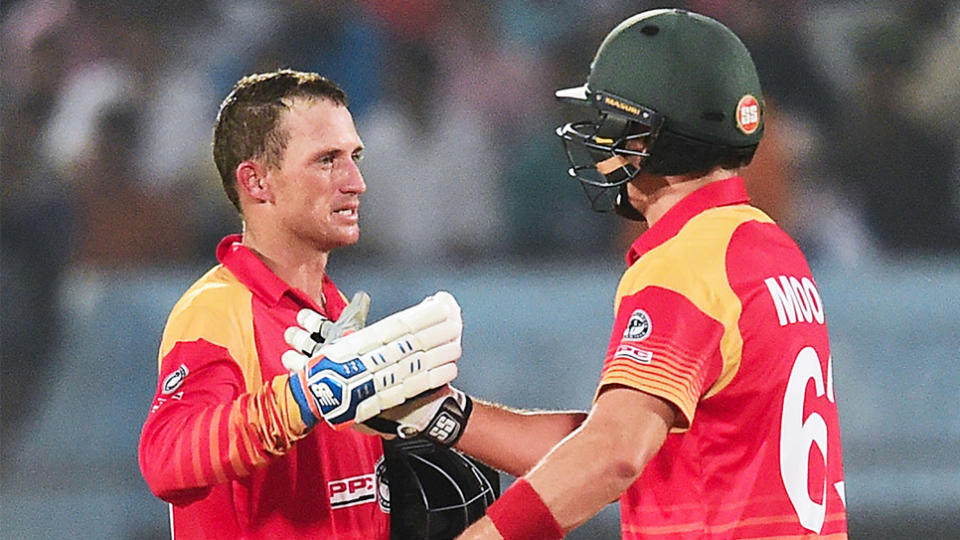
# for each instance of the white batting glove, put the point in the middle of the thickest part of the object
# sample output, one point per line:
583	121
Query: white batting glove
439	416
358	375
315	330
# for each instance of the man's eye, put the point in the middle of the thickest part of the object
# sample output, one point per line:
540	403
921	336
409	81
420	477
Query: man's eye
357	157
327	160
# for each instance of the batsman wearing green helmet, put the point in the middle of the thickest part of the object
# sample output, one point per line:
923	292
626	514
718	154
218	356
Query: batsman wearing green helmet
715	415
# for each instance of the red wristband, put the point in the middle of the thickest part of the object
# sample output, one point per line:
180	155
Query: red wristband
520	514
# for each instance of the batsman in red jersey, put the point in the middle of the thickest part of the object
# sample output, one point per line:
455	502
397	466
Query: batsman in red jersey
715	416
243	439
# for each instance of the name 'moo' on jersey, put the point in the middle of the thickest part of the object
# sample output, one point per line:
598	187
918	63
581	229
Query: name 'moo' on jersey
719	315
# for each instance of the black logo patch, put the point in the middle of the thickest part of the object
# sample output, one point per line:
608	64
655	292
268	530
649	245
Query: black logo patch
638	327
175	379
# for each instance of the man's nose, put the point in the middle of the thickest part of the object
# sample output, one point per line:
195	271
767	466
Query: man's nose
353	179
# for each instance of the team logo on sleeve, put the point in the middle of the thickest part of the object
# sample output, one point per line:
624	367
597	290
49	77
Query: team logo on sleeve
175	379
638	327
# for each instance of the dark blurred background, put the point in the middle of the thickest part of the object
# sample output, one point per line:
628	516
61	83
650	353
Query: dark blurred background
111	207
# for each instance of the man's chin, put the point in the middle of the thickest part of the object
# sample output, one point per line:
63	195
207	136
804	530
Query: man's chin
344	240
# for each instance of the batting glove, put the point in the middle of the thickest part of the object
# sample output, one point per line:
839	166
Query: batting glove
439	416
356	376
315	330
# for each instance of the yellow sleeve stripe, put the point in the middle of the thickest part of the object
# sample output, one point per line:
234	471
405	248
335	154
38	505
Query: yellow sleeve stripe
693	264
214	438
236	462
250	428
195	438
178	473
653	386
217	309
683	385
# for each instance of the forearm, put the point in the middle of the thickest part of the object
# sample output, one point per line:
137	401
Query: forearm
598	462
591	467
186	446
582	465
513	440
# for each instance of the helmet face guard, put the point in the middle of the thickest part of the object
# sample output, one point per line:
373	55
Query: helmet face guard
597	149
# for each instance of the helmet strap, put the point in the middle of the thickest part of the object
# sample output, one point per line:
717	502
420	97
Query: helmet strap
625	209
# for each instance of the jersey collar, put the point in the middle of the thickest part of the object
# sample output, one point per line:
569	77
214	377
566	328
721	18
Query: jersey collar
721	193
262	282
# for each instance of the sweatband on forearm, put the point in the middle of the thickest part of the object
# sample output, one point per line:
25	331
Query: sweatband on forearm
520	514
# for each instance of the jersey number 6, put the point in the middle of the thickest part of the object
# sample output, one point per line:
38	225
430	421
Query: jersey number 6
798	435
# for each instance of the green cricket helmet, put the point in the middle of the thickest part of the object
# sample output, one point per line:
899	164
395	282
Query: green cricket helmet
682	82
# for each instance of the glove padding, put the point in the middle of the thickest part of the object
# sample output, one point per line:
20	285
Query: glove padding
439	416
358	375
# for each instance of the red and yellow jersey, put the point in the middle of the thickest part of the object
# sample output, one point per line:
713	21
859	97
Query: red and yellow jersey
224	442
719	314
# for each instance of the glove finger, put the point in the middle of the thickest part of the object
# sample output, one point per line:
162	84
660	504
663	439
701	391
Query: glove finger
432	339
438	334
415	363
427	380
300	340
294	361
387	355
398	394
448	352
367	409
391	397
310	320
448	301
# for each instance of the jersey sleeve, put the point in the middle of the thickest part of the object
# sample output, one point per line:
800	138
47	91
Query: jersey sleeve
205	427
663	345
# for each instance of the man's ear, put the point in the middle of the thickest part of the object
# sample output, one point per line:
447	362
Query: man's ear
251	180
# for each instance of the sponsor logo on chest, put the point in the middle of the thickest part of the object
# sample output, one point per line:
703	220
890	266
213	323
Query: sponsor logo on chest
352	491
362	489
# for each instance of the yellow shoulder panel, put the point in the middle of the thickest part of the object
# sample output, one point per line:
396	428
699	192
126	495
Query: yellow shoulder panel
693	264
216	308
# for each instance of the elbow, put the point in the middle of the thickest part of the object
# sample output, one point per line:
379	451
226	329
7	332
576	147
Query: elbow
624	469
155	475
626	457
158	480
157	471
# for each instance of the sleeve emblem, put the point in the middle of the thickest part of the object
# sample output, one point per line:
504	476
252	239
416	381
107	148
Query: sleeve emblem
175	379
638	327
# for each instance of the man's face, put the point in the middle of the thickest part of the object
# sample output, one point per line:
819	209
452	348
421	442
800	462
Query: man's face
317	187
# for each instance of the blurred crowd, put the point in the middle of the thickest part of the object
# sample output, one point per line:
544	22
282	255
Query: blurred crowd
108	107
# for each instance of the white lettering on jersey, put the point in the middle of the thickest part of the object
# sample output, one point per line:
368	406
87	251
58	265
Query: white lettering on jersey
352	491
796	300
